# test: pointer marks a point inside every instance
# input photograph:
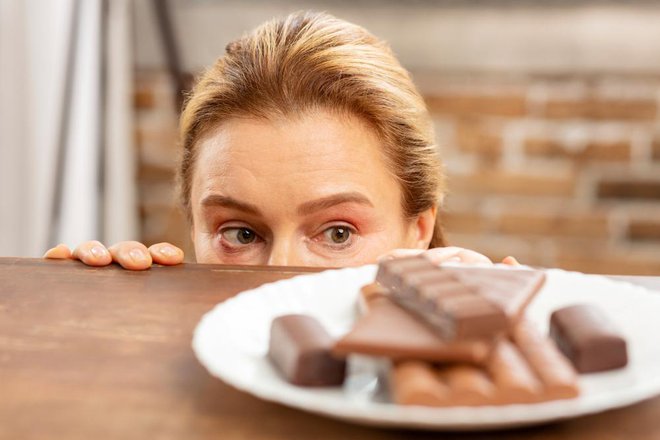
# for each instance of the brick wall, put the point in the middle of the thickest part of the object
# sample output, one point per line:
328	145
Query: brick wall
156	138
558	171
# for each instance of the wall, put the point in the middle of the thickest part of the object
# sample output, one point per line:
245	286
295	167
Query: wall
557	171
463	35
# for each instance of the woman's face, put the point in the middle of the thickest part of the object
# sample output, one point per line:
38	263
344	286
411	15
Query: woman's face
307	191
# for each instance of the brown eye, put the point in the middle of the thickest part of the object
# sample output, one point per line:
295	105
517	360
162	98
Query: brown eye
239	236
245	236
338	234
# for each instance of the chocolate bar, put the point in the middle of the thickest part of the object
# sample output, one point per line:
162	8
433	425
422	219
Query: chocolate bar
460	302
390	331
546	360
513	374
585	335
300	349
368	293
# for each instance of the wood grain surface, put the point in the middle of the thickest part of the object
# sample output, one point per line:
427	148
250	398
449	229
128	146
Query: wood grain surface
100	353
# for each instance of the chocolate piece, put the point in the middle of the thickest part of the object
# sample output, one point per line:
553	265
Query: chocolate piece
468	317
452	308
417	383
510	288
460	302
532	372
390	331
368	293
469	385
300	349
556	373
585	335
391	273
512	375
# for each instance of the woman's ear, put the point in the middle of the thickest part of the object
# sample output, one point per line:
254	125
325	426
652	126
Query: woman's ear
421	229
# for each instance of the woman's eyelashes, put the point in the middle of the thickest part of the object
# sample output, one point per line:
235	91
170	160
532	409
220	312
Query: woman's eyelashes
235	238
241	238
337	237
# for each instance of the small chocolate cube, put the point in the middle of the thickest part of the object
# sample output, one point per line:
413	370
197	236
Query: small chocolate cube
588	338
300	348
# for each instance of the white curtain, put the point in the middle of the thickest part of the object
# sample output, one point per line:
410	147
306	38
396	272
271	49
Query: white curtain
67	160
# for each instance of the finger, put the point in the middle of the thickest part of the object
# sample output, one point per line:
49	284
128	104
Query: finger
166	254
131	255
441	255
510	261
400	253
472	257
59	252
92	253
453	254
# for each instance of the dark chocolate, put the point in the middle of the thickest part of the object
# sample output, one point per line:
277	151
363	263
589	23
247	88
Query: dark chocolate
588	338
300	348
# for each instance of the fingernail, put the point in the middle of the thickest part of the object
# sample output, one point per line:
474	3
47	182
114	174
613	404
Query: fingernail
168	251
98	251
137	255
454	259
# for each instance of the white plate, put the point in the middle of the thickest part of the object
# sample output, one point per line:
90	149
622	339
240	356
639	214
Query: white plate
231	341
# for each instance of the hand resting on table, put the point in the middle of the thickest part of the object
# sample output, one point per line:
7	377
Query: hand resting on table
131	255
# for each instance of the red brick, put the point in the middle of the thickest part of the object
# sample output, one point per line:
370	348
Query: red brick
644	229
527	250
166	137
629	189
465	104
504	183
143	98
166	224
469	222
594	151
623	262
155	173
656	149
582	225
157	193
628	109
158	147
474	137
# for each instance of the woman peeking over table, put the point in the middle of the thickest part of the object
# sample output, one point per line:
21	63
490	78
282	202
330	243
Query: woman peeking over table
306	144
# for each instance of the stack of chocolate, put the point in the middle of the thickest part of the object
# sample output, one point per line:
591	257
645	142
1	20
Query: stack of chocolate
455	336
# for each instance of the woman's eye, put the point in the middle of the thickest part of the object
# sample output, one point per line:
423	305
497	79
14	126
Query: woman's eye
239	236
337	234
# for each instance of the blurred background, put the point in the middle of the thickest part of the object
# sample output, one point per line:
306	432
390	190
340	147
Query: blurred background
547	116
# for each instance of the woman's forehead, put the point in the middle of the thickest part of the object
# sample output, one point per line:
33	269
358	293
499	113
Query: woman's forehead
297	155
298	137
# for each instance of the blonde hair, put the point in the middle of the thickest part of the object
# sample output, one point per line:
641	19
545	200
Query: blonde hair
313	60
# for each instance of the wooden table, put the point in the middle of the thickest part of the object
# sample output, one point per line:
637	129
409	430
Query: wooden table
94	353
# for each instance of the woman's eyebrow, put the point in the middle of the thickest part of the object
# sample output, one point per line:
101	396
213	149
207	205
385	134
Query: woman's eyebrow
330	201
217	200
